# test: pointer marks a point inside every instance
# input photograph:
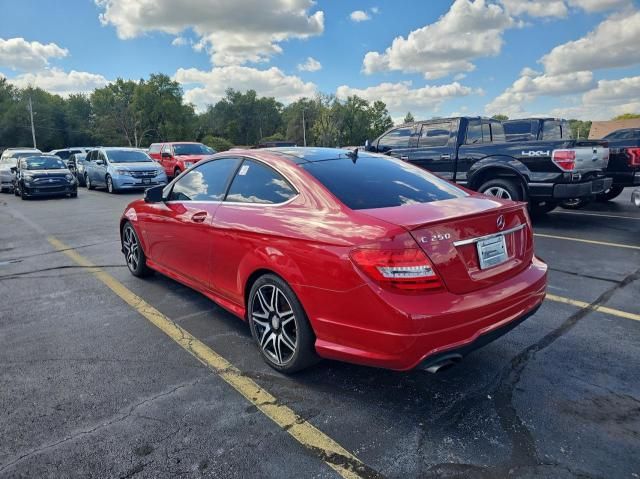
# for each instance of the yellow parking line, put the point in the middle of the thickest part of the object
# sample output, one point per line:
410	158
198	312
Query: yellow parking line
332	453
601	309
581	240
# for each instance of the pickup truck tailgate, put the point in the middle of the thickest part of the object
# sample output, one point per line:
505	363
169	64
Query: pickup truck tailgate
591	155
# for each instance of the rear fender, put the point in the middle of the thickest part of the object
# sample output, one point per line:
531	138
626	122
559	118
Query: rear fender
508	164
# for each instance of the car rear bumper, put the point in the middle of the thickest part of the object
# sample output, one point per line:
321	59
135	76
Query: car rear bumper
378	333
569	190
625	178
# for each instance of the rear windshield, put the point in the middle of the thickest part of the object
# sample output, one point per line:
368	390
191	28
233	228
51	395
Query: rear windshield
127	156
375	182
190	149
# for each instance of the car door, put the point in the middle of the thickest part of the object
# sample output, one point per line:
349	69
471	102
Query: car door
435	150
397	142
177	232
99	169
167	160
246	221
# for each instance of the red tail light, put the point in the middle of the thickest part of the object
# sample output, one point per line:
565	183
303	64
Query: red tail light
406	269
633	155
564	159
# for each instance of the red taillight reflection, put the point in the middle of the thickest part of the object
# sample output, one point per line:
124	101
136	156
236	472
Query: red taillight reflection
406	269
564	159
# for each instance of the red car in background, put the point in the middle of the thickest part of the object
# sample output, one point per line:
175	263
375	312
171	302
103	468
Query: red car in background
334	254
175	157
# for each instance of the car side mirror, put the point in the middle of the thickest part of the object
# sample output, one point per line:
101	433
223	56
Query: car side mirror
166	154
368	146
99	162
154	195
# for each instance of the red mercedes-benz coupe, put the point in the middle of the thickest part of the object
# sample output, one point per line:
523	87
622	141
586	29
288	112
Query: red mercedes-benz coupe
349	256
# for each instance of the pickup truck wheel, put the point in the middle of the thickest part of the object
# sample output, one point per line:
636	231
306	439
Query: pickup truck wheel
575	203
177	172
610	194
502	188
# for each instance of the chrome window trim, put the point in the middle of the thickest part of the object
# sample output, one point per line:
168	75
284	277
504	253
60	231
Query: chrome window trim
486	237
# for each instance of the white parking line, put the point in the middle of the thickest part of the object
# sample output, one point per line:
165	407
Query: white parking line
582	213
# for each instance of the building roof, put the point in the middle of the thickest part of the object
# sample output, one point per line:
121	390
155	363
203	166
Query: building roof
600	129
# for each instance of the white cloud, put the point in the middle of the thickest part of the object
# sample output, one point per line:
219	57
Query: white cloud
232	32
311	65
401	97
375	10
536	8
179	42
532	84
614	92
19	54
208	87
599	5
61	82
469	30
614	43
359	16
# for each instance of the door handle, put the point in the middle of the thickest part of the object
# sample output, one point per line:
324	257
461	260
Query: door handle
199	217
445	157
404	157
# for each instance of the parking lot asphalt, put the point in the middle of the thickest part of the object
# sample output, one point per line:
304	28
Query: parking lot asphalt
91	387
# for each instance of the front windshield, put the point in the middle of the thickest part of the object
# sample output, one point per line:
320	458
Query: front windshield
23	154
190	149
128	156
44	163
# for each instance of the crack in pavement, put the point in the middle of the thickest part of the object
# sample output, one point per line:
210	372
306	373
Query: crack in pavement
524	449
56	268
122	417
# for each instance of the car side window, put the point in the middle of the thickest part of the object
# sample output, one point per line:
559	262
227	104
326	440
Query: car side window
102	156
154	148
166	149
206	182
398	138
257	183
434	134
497	132
474	132
551	130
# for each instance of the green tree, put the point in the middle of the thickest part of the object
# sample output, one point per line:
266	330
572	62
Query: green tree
408	118
500	117
579	128
117	120
217	143
379	119
627	116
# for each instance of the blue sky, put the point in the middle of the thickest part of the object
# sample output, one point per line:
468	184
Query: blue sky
452	57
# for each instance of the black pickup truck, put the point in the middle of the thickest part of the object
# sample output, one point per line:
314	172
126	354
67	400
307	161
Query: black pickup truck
624	163
473	151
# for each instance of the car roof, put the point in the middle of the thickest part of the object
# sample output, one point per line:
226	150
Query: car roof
301	154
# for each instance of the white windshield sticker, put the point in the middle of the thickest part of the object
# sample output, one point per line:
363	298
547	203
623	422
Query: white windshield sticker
243	170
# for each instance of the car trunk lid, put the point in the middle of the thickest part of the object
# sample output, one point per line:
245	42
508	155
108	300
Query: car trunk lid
450	233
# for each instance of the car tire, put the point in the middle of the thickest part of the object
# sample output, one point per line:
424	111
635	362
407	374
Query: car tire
110	186
280	326
73	195
23	196
133	253
610	194
575	203
540	208
504	188
16	191
176	172
87	181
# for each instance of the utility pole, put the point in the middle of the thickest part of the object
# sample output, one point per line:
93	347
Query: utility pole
33	130
304	130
